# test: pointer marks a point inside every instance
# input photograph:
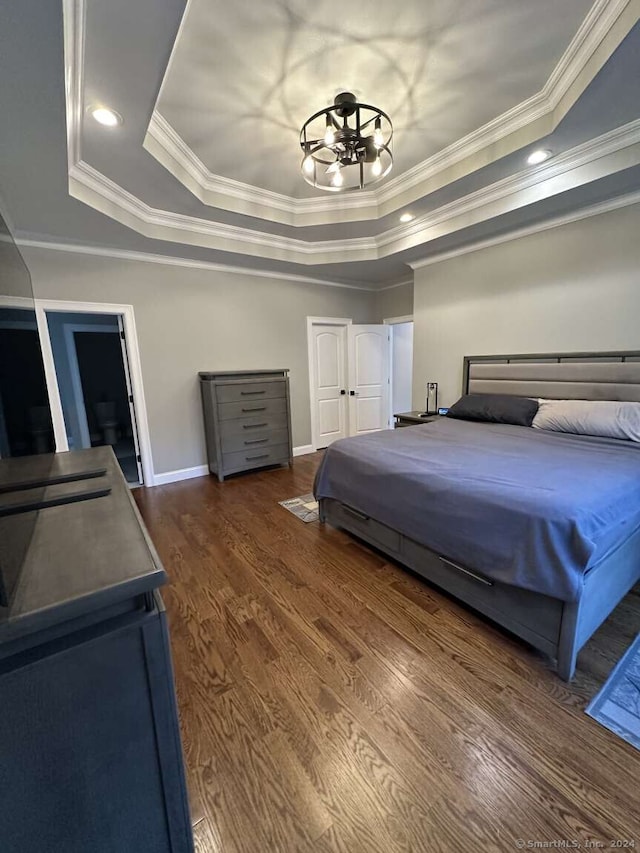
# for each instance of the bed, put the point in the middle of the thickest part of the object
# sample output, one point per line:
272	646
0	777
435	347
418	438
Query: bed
549	561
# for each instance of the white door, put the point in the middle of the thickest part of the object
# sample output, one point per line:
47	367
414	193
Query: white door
368	359
330	383
132	408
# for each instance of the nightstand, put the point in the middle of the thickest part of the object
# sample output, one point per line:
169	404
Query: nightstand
405	419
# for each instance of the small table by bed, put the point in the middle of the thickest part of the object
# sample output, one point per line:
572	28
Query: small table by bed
405	419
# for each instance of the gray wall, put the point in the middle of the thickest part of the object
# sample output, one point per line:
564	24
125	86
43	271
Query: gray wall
394	302
572	288
193	319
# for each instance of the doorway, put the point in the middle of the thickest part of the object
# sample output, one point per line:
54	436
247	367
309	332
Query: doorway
401	331
95	393
328	381
349	378
25	417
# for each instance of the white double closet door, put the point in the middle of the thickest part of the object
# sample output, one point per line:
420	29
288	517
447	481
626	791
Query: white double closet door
350	390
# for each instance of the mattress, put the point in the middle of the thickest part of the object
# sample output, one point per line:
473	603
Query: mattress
525	507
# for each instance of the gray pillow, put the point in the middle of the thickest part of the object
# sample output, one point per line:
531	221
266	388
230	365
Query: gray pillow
494	408
606	418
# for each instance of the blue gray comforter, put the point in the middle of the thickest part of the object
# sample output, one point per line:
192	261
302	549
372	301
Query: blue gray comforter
526	507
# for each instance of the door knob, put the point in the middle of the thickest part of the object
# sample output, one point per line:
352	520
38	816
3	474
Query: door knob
343	391
353	393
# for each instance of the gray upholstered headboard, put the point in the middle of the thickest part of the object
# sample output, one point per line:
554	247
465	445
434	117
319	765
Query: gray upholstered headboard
561	376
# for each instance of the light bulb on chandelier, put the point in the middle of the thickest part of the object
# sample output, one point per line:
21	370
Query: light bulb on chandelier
346	146
378	136
329	134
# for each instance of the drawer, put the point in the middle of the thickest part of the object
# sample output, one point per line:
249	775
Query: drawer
248	426
253	439
361	524
532	615
252	408
245	459
241	392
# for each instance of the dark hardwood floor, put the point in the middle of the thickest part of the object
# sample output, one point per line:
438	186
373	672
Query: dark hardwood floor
332	701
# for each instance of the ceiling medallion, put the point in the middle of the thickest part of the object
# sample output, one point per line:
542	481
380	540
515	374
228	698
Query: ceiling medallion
346	146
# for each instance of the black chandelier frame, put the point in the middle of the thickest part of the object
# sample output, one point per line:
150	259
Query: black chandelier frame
350	148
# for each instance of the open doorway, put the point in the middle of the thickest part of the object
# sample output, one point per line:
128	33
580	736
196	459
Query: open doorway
401	331
92	371
25	417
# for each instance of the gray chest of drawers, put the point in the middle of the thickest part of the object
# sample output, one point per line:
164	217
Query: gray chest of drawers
247	419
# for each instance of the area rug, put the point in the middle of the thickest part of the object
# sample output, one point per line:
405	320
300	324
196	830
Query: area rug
617	705
304	507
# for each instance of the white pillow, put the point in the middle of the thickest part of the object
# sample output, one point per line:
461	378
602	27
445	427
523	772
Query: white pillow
607	418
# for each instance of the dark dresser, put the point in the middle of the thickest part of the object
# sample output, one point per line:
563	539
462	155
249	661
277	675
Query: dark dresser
90	748
247	419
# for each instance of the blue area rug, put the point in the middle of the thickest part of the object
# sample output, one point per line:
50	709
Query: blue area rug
617	705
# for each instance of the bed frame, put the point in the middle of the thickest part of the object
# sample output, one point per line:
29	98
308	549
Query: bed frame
556	627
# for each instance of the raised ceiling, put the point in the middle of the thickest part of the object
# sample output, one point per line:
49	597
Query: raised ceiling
205	167
243	77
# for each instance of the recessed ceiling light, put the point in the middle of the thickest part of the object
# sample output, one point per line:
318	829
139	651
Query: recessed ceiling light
407	217
106	116
538	156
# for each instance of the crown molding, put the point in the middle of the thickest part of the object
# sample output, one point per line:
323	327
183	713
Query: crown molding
22	302
609	206
27	241
607	22
542	111
162	140
98	191
168	147
556	222
611	152
606	25
618	140
74	20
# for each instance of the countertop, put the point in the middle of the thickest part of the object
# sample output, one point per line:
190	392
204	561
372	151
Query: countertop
64	561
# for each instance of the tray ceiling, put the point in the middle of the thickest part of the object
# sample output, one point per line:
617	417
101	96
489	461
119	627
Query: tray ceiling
205	166
243	77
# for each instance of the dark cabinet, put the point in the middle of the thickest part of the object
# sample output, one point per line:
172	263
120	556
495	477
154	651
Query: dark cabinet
90	748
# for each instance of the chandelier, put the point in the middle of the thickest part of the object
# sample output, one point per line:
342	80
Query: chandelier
346	146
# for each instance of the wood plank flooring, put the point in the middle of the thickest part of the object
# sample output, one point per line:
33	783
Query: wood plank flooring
331	701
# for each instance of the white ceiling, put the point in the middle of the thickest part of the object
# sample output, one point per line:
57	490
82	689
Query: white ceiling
485	82
243	77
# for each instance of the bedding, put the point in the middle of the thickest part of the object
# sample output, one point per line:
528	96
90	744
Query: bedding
495	408
607	418
530	508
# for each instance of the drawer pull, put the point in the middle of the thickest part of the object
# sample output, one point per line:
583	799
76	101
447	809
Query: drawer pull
359	515
257	441
464	571
254	426
251	393
259	456
256	409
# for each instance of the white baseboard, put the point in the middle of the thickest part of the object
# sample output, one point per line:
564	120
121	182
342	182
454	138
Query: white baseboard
303	450
181	474
203	470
